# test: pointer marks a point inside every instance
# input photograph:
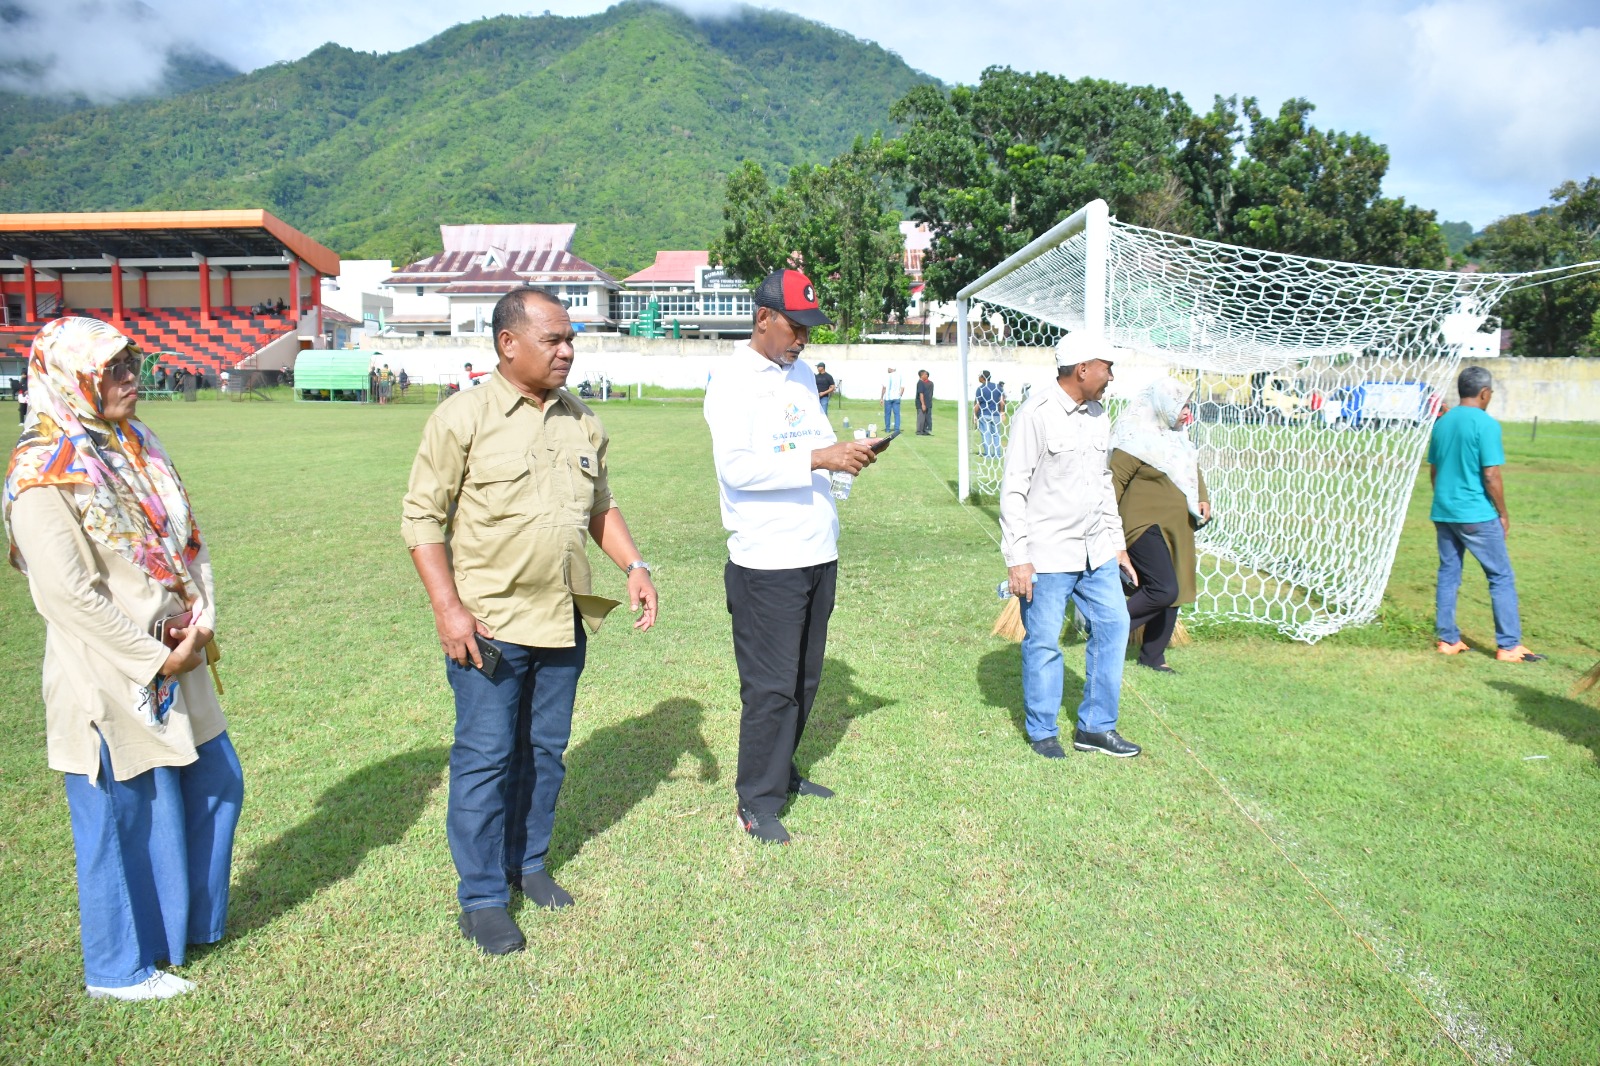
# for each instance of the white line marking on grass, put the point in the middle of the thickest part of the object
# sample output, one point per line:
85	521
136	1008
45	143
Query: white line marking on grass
1459	1023
1463	1026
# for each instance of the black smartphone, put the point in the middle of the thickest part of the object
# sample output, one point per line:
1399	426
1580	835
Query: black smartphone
489	654
883	442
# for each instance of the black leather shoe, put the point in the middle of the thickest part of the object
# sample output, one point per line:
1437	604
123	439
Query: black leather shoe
492	929
764	827
1108	743
1049	747
808	787
1160	668
542	891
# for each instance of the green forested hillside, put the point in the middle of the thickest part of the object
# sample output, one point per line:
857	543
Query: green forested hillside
626	122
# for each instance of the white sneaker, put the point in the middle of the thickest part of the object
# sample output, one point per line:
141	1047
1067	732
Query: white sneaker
177	984
157	986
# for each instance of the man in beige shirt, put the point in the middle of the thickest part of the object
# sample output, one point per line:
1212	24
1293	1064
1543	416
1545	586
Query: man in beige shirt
1061	536
508	480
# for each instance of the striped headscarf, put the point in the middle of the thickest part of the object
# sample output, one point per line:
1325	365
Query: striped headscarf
136	505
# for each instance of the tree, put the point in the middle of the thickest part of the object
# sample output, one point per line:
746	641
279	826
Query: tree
991	167
1317	193
1558	318
835	222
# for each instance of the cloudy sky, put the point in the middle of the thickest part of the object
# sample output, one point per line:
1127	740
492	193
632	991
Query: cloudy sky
1485	105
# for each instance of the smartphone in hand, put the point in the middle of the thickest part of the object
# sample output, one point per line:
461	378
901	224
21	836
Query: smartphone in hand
489	654
883	442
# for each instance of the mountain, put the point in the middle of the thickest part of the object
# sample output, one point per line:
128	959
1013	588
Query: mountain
1458	235
626	122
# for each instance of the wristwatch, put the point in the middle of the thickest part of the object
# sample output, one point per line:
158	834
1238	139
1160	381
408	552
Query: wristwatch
638	565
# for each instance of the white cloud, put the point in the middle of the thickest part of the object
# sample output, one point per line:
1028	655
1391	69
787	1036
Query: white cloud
1499	102
1485	104
98	49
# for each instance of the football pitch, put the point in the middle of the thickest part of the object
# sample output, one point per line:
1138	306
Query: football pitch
1356	851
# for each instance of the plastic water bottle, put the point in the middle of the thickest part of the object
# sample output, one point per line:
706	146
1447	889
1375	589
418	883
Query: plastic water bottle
839	483
1003	590
846	421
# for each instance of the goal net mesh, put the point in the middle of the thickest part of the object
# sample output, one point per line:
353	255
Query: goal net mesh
1315	388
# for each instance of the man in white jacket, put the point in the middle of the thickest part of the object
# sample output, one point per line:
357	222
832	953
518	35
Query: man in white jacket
774	451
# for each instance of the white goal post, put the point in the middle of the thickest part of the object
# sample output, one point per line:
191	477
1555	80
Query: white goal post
1315	388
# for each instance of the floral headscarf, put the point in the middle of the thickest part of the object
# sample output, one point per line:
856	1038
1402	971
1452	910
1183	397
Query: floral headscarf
136	505
1152	430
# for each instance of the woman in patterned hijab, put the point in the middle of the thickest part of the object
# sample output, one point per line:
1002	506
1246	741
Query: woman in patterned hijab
99	521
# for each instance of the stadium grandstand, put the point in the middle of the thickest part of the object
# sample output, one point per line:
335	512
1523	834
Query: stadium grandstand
141	271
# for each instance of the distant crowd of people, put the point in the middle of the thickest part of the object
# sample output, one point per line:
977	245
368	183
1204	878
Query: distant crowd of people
269	307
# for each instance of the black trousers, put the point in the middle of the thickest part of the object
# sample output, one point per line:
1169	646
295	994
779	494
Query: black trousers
1151	604
780	631
925	421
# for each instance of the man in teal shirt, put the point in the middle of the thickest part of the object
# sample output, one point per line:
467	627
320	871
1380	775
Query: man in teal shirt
1469	514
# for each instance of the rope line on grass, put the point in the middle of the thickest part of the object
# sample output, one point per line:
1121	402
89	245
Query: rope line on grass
1238	805
962	504
1349	925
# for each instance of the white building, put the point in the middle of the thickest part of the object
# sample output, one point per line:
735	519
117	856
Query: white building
481	263
358	292
694	298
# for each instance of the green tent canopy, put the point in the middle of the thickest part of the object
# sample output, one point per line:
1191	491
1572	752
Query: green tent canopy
327	375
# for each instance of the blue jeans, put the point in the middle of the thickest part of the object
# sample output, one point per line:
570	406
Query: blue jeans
891	415
506	765
1098	594
1487	543
824	401
154	855
989	431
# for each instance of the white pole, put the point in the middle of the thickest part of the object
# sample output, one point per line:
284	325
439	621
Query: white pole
1096	273
963	430
1038	246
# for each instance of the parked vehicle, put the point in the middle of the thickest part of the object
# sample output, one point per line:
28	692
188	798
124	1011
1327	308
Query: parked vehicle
1383	404
1276	399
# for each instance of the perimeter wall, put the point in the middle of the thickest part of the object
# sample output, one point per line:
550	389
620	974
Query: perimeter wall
1553	390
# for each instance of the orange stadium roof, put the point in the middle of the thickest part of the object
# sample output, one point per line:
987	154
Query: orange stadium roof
136	234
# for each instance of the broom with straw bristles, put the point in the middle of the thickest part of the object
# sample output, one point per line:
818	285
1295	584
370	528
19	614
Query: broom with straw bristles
1008	626
1585	683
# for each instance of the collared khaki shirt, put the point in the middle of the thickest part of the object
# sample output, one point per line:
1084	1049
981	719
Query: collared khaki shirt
1058	503
510	490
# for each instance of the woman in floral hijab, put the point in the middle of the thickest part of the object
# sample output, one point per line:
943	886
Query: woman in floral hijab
99	521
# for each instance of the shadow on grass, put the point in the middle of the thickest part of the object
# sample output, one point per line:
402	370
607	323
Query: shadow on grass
840	701
619	766
1000	684
1578	722
374	807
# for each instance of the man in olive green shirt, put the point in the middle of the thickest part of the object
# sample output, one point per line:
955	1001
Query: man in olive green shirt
506	483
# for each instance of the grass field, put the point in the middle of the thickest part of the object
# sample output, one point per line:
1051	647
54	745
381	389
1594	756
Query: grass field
1352	852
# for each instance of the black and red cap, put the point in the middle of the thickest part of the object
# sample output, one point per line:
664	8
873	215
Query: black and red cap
792	294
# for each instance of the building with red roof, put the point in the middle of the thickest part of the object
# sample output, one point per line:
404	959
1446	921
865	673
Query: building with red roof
693	298
482	262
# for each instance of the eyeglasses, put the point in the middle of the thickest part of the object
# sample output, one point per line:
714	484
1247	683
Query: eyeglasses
122	369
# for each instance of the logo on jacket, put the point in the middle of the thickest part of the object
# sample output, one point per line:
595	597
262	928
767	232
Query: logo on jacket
792	414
